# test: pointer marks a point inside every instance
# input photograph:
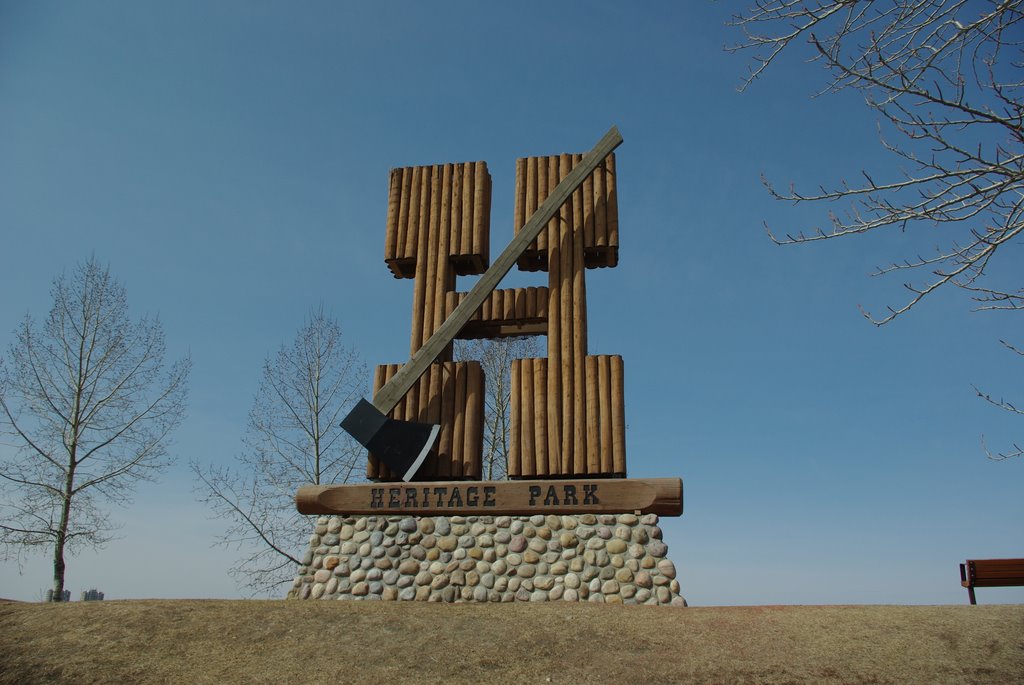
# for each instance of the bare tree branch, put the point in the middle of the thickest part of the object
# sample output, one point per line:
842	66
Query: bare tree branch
1015	451
937	74
945	79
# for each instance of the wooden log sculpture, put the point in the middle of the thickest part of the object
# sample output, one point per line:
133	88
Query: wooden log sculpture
568	417
568	420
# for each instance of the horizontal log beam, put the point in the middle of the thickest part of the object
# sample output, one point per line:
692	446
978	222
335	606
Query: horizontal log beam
476	330
662	496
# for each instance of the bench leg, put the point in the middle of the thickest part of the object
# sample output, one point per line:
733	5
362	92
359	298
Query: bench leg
970	593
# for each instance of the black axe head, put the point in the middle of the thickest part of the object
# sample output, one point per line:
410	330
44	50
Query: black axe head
402	445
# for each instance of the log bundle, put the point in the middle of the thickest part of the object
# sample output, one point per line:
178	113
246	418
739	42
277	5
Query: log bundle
506	313
450	394
599	450
438	227
594	209
568	409
452	203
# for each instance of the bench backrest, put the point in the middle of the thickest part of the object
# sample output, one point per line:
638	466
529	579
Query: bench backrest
995	572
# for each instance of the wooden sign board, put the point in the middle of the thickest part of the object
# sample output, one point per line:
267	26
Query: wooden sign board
662	496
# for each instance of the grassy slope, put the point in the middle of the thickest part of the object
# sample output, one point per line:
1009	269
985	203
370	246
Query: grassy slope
375	642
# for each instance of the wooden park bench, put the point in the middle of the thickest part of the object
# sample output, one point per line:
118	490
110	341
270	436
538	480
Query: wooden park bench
991	573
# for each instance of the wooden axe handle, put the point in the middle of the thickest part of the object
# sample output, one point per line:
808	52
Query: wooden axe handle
393	391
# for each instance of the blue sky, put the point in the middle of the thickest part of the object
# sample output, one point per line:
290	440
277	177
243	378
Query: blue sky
229	161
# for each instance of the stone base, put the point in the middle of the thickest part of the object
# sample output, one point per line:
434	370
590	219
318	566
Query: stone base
597	558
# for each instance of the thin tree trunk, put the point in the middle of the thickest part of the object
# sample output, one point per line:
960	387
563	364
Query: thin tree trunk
65	518
62	536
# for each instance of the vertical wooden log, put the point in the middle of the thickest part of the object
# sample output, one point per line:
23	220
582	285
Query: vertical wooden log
480	194
542	303
553	179
457	298
422	398
450	276
543	239
422	222
444	280
604	386
412	229
567	314
554	375
445	450
522	304
405	409
380	468
485	229
481	406
540	418
520	200
471	465
468	193
486	307
383	472
391	371
618	416
433	256
589	239
600	214
516	453
612	203
531	198
593	417
402	220
451	301
430	465
406	211
579	337
372	463
455	211
527	403
410	410
421	408
459	428
394	201
434	409
508	304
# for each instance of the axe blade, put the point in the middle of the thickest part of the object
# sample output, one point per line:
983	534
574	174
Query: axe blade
402	445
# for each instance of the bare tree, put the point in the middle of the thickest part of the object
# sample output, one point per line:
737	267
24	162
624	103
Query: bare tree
90	406
941	74
293	438
495	357
945	78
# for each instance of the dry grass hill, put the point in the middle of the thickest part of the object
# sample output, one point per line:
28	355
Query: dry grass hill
185	641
